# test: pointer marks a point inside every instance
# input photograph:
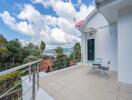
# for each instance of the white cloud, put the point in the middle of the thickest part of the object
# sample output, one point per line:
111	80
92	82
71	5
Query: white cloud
29	13
45	3
43	27
22	26
7	19
50	20
25	28
64	9
33	16
58	35
67	26
84	11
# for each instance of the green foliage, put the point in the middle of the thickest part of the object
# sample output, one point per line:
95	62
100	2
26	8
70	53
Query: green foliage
33	49
2	39
14	46
9	76
59	51
24	53
9	80
77	52
71	57
34	53
61	60
4	53
42	48
30	59
13	53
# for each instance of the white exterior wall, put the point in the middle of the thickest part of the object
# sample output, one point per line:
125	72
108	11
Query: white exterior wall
125	45
105	41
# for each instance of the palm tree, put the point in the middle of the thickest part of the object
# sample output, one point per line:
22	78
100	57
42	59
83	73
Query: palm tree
30	45
42	47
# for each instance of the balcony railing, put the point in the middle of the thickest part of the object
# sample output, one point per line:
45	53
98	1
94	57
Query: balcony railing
14	91
30	72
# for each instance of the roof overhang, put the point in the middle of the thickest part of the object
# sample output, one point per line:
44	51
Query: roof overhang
110	8
84	29
89	30
89	17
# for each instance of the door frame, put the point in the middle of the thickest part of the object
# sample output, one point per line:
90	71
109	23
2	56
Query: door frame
88	38
93	50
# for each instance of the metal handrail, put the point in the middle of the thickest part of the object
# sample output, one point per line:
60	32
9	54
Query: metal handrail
18	68
34	79
10	90
28	66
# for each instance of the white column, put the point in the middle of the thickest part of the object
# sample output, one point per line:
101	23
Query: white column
83	48
125	45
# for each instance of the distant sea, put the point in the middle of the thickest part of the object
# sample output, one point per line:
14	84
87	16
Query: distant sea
51	52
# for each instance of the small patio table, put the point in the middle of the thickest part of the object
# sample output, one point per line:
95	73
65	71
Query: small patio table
95	63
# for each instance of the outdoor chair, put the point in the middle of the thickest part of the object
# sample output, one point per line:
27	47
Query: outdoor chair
104	67
96	63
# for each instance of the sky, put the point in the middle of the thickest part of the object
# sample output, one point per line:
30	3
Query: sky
47	20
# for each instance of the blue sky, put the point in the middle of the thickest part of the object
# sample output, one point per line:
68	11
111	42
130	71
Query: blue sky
48	20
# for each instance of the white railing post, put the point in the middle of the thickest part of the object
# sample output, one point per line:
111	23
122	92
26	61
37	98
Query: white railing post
33	86
37	75
32	78
30	73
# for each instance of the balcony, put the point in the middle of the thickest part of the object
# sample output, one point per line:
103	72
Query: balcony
78	82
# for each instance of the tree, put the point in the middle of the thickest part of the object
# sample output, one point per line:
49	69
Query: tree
13	53
59	51
24	53
3	39
42	47
30	59
4	54
34	53
77	52
61	60
71	57
14	46
30	46
34	50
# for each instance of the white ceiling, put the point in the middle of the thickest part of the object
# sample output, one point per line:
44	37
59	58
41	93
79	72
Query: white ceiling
110	11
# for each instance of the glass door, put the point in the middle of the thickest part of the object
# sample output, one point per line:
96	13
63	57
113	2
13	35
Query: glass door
90	49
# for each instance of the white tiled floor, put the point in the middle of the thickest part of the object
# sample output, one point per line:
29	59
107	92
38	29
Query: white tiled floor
82	83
